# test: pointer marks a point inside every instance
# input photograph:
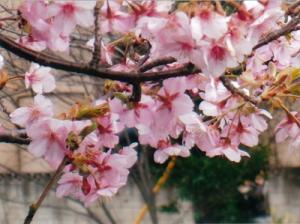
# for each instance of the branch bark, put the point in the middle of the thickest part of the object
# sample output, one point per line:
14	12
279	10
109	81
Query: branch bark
84	68
278	33
134	78
34	207
226	82
97	35
8	138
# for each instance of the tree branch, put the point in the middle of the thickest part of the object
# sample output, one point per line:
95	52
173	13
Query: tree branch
84	68
129	77
278	33
8	138
97	44
159	184
134	78
34	207
293	7
226	82
155	63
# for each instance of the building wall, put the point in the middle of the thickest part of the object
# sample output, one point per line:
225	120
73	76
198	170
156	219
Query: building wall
17	192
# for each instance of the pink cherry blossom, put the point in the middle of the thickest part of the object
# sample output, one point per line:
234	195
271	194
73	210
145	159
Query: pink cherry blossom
48	138
40	79
180	45
70	184
26	116
165	150
287	128
257	119
140	113
213	145
215	57
265	21
115	20
105	173
238	133
107	129
36	12
256	63
231	152
31	43
214	97
209	23
237	40
70	13
193	126
172	97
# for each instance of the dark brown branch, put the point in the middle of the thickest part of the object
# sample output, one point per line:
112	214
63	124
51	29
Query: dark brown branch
97	44
134	78
226	82
84	68
278	33
293	7
7	138
34	207
155	63
136	92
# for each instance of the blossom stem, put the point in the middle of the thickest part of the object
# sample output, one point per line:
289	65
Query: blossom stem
35	206
9	18
161	181
280	103
16	77
289	95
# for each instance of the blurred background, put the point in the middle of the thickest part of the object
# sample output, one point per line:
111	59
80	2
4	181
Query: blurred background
262	189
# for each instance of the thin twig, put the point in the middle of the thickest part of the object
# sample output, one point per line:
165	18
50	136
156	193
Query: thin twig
292	7
226	82
107	213
278	33
34	207
293	117
8	138
155	63
97	35
162	180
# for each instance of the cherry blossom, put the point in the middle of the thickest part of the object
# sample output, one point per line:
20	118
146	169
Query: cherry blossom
26	116
233	153
106	172
48	138
113	19
107	128
209	23
287	128
165	150
134	113
195	109
68	14
215	58
40	79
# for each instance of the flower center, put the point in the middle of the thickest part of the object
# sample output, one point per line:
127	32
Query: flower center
205	14
68	9
217	52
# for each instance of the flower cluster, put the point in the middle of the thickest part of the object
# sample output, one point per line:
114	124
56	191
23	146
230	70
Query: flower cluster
173	116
